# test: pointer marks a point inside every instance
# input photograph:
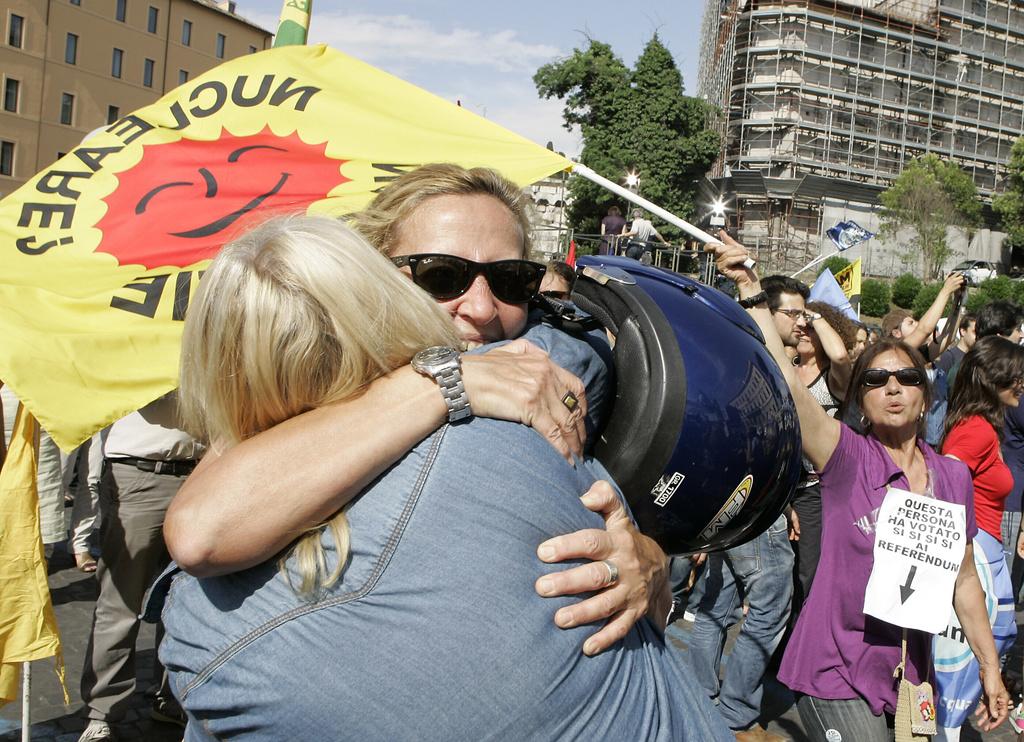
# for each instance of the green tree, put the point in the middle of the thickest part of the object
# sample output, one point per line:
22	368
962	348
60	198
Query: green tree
1010	204
905	290
631	120
930	195
874	297
836	263
924	299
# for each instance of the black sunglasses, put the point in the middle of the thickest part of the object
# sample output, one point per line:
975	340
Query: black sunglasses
875	377
449	276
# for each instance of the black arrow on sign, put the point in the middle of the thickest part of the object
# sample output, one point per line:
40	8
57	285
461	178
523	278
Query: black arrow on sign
906	590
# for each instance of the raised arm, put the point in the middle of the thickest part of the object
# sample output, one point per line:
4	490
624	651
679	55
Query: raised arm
930	319
818	431
840	367
245	504
969	604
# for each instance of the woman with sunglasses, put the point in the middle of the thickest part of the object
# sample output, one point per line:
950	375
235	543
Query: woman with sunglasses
410	613
990	379
840	661
463	237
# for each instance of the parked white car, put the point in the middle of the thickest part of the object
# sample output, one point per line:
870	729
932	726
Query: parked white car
976	271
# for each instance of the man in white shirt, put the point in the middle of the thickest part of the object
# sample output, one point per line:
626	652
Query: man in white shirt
146	460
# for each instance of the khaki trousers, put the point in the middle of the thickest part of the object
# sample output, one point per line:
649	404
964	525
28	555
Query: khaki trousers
132	508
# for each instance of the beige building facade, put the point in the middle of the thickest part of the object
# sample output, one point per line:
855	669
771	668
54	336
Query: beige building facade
68	67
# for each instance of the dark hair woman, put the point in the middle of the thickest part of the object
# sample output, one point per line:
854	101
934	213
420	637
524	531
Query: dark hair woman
990	379
611	227
851	636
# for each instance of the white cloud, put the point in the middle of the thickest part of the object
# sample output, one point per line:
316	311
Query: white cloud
518	109
398	39
489	72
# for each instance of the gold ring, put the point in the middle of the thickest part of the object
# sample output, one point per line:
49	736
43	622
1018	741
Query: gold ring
570	401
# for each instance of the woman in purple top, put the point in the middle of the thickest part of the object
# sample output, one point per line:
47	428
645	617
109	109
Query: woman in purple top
839	660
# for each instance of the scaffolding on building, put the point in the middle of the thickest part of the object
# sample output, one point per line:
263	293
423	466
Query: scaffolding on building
853	91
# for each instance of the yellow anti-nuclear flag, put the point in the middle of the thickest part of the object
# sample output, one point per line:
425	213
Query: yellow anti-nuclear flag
849	280
28	629
102	252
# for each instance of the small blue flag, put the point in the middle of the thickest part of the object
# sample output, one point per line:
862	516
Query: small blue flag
828	290
847	234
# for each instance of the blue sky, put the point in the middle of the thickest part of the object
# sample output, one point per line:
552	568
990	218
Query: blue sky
485	54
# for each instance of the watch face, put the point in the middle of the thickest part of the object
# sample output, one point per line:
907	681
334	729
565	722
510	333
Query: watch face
431	357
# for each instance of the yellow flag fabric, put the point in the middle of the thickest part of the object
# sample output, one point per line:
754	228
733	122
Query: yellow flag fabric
849	279
102	252
28	629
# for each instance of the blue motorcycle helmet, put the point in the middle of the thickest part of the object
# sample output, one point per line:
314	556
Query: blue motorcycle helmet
702	436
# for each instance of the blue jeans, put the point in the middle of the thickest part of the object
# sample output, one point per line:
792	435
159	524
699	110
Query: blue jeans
762	572
1010	528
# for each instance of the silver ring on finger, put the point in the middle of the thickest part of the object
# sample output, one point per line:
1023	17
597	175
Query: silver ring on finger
613	571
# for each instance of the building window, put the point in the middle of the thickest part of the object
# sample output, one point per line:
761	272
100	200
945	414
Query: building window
252	49
182	77
6	158
61	154
154	14
67	108
15	32
113	114
220	45
71	48
76	2
147	72
115	62
186	33
11	89
122	10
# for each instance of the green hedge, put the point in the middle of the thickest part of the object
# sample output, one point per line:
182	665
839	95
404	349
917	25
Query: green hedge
905	289
874	297
1000	287
835	264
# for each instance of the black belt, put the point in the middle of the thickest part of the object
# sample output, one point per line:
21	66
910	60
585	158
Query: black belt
181	468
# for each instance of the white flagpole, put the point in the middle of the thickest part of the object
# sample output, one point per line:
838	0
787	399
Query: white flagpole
26	701
668	216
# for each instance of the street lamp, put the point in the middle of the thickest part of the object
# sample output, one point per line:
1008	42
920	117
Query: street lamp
633	180
718	209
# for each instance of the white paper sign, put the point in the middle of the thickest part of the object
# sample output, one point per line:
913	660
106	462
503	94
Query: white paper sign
919	545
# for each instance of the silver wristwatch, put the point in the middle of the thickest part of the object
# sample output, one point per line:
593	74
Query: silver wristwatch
444	365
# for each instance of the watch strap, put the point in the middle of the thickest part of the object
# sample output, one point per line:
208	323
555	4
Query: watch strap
449	380
752	301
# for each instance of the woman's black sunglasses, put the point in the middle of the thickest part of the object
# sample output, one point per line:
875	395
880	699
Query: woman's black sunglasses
448	276
875	377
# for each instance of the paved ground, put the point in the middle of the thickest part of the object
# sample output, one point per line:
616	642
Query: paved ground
73	596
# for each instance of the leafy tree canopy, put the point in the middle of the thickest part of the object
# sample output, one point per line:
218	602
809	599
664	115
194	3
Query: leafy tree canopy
930	195
631	120
1010	203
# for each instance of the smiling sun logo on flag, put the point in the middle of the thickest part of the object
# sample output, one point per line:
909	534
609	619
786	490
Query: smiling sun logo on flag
181	202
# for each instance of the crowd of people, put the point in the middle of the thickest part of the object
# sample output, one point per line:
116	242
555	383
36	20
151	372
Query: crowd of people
307	503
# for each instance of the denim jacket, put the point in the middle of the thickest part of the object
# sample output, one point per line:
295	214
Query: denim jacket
434	630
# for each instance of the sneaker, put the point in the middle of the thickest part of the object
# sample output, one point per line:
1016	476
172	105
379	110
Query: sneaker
168	711
97	731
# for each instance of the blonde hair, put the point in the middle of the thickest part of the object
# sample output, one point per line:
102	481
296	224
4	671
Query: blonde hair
295	314
380	221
